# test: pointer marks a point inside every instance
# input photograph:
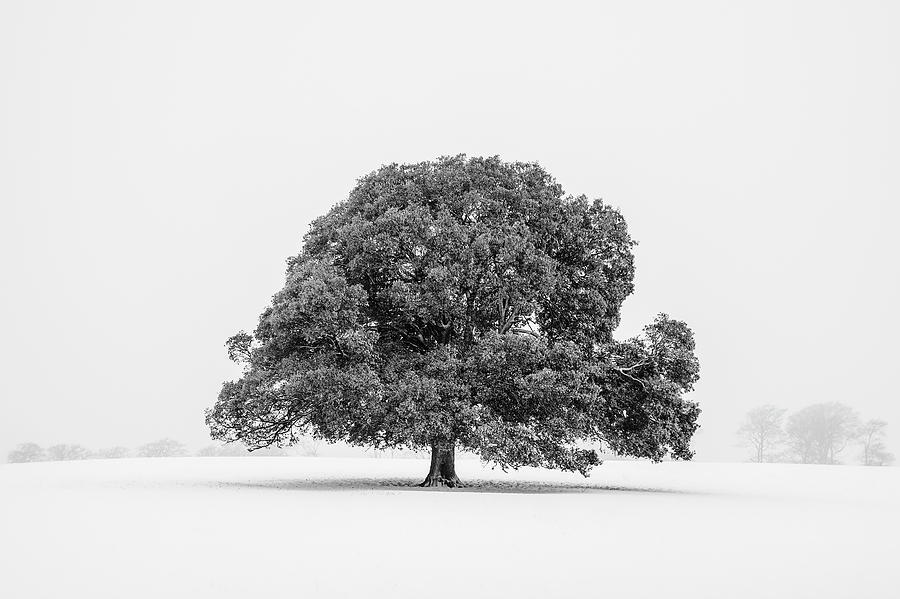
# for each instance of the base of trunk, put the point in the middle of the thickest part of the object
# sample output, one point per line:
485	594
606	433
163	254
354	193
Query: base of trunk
440	481
443	467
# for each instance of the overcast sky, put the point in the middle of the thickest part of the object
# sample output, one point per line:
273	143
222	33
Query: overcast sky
160	160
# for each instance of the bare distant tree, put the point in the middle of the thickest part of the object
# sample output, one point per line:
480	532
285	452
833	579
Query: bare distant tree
818	433
310	446
871	434
762	431
879	455
112	453
63	452
27	452
164	448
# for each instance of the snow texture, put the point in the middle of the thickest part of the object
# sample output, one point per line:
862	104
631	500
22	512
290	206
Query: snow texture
333	527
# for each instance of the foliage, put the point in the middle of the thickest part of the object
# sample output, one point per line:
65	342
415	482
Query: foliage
27	452
465	302
818	433
762	430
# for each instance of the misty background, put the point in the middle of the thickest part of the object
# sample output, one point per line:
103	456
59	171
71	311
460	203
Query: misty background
160	161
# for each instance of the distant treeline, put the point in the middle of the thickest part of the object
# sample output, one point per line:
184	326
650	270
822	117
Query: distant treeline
163	448
823	433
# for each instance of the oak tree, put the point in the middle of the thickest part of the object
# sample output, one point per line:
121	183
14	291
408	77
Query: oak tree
463	303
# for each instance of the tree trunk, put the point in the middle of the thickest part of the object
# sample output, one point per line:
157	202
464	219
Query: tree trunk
443	466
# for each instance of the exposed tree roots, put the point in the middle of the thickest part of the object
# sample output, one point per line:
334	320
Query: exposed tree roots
441	481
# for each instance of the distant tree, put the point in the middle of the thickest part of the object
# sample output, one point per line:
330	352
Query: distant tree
27	452
875	453
464	302
310	446
273	451
164	448
818	433
762	431
64	452
209	451
112	453
879	455
233	450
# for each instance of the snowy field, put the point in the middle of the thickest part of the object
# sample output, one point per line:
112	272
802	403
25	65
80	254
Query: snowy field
341	527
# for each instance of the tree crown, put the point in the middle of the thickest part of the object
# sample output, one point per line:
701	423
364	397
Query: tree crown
467	301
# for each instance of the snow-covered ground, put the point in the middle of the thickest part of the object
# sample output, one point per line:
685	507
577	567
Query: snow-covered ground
340	527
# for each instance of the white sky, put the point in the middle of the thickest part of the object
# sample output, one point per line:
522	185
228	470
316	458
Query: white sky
160	160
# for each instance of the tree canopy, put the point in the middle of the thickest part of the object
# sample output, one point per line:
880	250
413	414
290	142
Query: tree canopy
463	302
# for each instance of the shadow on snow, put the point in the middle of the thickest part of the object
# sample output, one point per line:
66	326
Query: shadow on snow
471	486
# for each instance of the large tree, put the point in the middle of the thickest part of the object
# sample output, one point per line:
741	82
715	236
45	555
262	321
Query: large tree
463	303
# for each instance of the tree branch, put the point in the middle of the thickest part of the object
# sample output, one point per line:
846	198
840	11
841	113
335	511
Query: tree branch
623	373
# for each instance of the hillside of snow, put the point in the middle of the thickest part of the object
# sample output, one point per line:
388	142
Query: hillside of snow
340	527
